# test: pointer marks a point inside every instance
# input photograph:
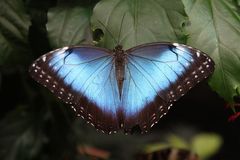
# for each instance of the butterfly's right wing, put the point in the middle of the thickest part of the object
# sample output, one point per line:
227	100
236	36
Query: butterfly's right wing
83	77
156	75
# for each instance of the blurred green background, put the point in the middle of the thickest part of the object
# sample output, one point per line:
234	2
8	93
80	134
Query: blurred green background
35	125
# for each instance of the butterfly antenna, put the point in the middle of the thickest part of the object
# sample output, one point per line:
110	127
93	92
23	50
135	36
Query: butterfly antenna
108	32
119	33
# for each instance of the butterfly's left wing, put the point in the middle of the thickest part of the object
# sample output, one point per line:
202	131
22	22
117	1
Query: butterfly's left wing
83	77
156	75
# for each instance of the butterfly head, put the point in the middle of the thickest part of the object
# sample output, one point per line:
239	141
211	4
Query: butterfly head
119	53
118	49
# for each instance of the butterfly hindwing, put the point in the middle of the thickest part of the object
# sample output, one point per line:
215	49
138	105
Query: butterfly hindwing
158	74
83	77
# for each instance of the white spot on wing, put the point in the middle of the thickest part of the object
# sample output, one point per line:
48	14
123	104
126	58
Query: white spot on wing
198	54
63	50
176	44
160	107
44	58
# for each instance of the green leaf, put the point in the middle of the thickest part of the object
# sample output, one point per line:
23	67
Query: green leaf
205	145
238	2
215	29
143	21
155	147
14	25
68	25
177	142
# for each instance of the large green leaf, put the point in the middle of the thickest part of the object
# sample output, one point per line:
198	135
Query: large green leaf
143	21
68	25
14	24
215	29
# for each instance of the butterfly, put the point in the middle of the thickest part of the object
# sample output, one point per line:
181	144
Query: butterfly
122	89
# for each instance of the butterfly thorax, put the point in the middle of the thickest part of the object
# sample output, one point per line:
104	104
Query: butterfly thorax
120	59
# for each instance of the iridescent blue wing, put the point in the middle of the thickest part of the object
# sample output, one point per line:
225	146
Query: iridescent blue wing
156	75
83	77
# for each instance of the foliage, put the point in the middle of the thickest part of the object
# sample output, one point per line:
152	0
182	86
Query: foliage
215	28
142	21
203	144
63	29
14	25
36	126
206	144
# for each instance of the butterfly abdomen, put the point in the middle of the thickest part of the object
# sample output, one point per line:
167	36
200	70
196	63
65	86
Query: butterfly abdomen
120	59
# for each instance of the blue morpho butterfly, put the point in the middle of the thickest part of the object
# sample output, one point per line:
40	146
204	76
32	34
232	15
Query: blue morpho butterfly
122	89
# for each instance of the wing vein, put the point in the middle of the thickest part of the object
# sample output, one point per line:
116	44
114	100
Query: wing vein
137	85
144	76
102	86
97	71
